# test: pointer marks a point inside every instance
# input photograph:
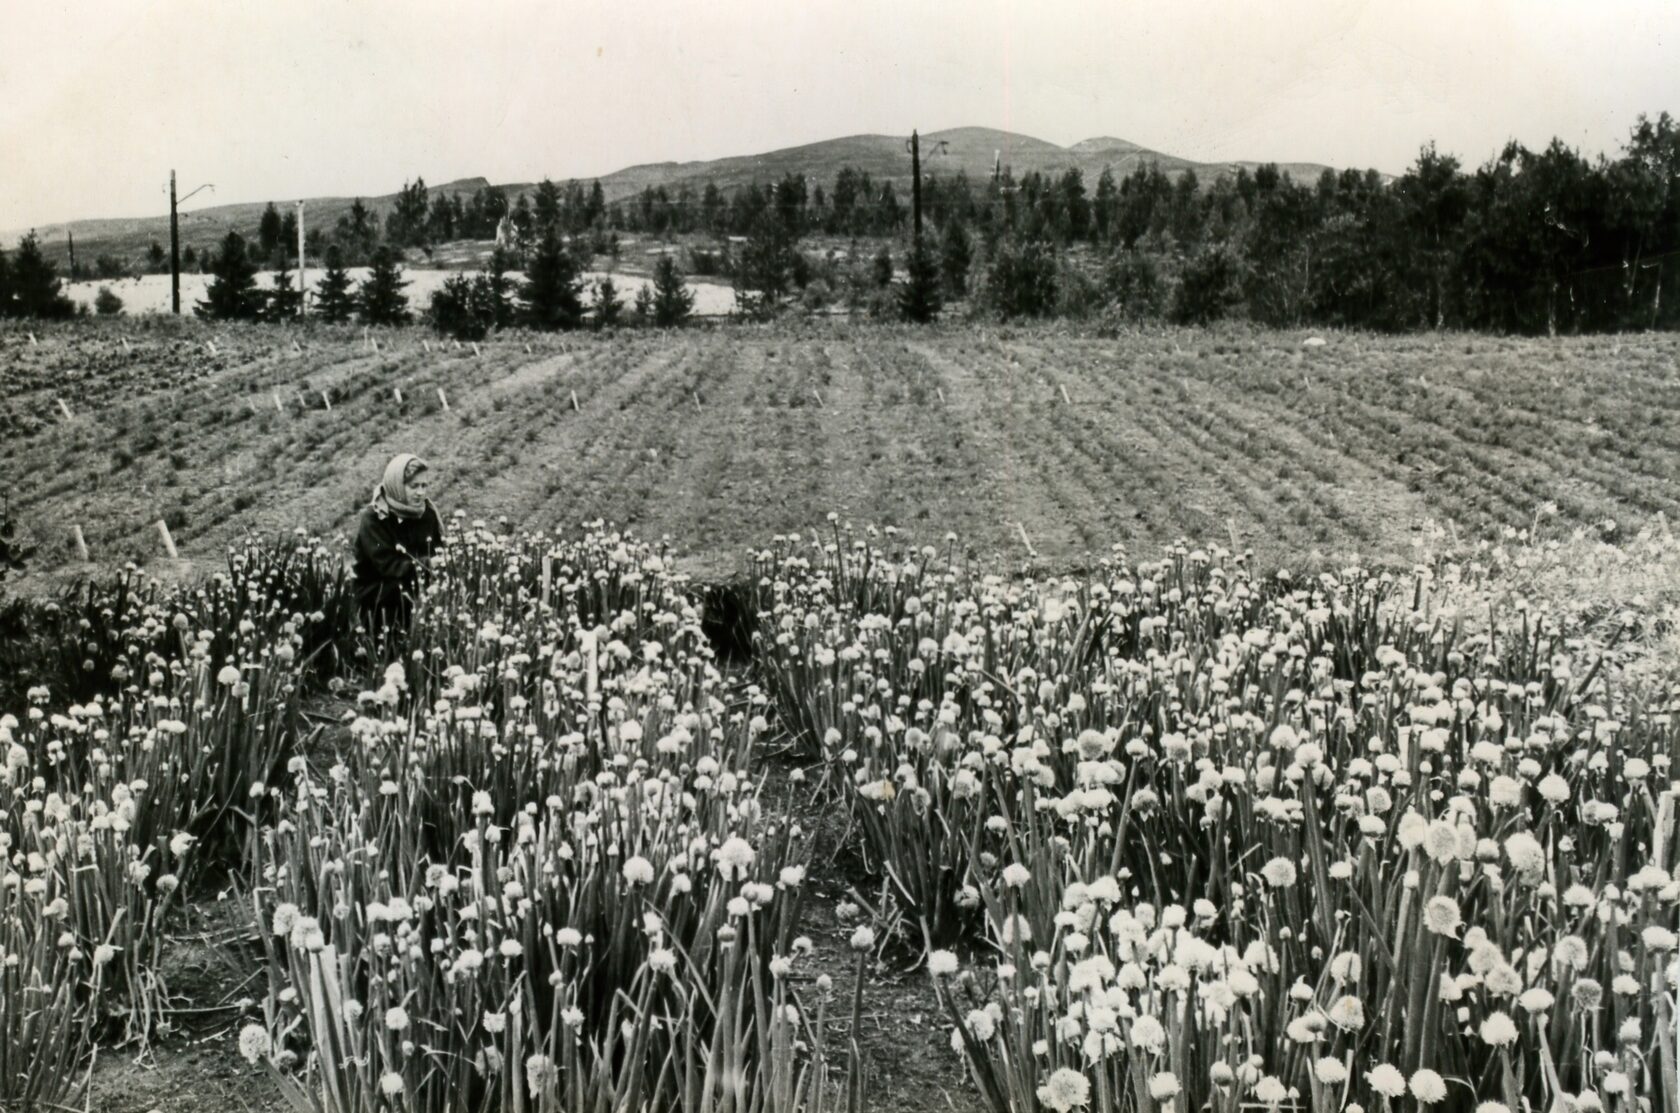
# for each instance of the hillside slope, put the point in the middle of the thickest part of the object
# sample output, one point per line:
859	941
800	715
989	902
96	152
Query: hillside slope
973	151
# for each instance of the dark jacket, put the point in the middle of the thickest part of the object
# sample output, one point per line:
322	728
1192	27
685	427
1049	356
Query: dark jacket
389	554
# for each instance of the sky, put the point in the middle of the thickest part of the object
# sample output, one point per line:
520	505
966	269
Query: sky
278	101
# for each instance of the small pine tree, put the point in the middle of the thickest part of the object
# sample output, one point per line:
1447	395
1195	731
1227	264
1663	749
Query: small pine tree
334	302
36	290
955	255
232	294
282	297
454	312
764	271
609	311
498	289
643	308
919	299
7	308
269	230
553	291
380	297
1022	280
882	267
106	303
673	303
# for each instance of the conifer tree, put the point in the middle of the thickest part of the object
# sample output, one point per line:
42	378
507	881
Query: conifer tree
608	309
673	302
919	298
334	303
380	298
36	290
553	291
282	297
955	255
233	293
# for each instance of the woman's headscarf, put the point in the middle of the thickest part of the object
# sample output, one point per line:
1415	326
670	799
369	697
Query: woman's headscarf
390	495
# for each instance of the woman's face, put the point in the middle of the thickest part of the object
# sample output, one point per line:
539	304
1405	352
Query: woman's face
420	487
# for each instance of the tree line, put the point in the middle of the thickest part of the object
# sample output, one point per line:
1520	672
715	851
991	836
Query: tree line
1530	241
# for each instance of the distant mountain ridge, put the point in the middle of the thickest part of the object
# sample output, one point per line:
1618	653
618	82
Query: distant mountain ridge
973	151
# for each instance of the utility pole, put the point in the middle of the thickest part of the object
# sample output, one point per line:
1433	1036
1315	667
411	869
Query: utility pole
174	251
302	264
175	243
72	236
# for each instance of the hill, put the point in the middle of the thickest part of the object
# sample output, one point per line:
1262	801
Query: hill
973	151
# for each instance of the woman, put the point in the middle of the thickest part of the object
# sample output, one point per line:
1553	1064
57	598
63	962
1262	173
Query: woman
400	529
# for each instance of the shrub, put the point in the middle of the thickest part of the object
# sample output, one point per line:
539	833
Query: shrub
1021	281
106	303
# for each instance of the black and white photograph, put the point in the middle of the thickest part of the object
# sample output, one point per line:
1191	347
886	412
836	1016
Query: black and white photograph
947	557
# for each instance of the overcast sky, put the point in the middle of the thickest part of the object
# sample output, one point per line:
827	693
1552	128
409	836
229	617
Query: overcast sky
296	98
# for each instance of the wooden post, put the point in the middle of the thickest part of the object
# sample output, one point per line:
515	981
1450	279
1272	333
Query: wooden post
443	399
65	409
547	578
81	544
168	541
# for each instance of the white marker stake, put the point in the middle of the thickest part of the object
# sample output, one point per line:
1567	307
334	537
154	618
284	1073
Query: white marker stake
168	541
444	400
211	345
375	344
476	352
426	344
398	393
327	400
296	347
81	544
1025	540
697	401
527	349
127	347
1065	397
65	410
547	577
941	394
457	345
277	405
574	402
253	406
818	397
32	341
